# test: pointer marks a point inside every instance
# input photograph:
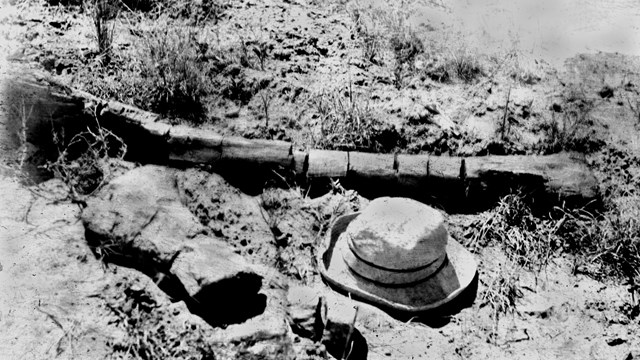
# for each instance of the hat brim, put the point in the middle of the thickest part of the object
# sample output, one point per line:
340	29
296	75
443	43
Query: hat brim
455	275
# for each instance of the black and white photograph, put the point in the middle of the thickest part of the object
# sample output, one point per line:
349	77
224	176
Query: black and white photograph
319	179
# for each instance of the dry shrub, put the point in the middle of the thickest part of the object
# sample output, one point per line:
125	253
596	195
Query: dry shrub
81	162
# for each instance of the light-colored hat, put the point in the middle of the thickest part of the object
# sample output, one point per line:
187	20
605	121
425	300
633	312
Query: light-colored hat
396	254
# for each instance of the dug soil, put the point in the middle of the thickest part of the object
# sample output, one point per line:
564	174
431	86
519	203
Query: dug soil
124	269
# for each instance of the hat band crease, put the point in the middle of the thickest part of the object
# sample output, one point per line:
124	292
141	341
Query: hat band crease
381	275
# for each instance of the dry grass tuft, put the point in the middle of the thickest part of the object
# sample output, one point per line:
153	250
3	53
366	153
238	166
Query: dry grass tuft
529	241
104	12
601	245
501	290
174	72
348	123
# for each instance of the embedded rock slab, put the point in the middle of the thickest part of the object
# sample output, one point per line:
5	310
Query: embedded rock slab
139	220
229	214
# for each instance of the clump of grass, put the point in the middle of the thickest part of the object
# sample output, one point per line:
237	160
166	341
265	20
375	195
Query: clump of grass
445	64
174	73
529	241
237	88
502	290
104	11
406	45
603	245
610	241
367	26
348	123
463	64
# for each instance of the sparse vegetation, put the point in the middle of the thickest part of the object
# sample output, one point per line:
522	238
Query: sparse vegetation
104	11
571	126
502	290
349	123
262	51
406	45
265	98
174	72
461	63
529	241
369	31
81	162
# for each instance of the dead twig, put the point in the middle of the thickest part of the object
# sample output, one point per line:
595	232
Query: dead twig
348	345
505	115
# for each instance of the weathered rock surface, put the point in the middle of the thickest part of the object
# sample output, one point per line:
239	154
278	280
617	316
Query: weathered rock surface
228	214
140	221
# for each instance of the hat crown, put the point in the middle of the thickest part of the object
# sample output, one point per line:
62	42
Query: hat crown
398	234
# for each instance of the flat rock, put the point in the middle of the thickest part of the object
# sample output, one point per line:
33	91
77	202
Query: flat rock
140	212
139	220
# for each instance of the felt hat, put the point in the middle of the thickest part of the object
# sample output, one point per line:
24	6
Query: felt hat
396	254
